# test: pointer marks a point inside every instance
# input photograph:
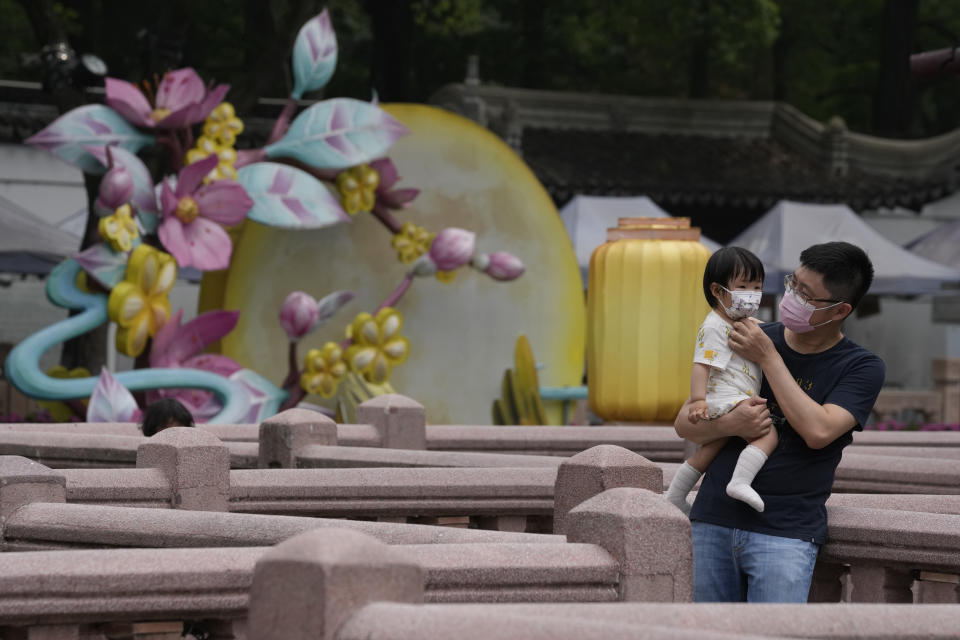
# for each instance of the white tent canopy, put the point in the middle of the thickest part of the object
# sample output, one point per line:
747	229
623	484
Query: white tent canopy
941	244
30	245
790	227
587	219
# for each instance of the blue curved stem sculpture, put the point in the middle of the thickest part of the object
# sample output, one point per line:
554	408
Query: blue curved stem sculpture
23	363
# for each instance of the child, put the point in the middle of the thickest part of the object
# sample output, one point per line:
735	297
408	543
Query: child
732	284
163	414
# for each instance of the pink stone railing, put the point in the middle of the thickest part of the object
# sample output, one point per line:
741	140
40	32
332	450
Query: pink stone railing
607	555
883	550
39	526
859	473
340	457
506	498
405	621
70	450
342	584
890	549
394	433
867	532
882	541
396	492
189	469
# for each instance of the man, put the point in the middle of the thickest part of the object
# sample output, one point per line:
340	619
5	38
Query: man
818	387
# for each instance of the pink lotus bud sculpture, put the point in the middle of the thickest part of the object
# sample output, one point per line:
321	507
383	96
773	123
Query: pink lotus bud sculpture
299	315
452	248
499	265
116	188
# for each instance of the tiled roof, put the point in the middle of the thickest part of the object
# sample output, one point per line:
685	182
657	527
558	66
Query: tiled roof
724	172
677	170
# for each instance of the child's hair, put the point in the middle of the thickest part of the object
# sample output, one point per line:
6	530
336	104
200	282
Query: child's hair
166	412
728	264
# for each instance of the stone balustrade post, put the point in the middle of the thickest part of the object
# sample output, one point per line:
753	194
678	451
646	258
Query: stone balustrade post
306	587
400	421
283	436
597	469
872	583
649	537
23	481
946	381
196	463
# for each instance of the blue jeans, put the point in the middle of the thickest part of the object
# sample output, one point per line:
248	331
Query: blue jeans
733	565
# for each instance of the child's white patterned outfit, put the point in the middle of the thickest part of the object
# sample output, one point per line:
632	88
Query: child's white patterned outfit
732	379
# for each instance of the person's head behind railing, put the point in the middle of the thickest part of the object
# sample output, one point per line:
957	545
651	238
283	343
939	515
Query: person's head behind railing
163	414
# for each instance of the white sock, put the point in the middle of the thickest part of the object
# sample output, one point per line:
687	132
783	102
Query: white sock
683	481
748	465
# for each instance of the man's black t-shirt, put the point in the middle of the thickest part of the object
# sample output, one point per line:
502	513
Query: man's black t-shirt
795	482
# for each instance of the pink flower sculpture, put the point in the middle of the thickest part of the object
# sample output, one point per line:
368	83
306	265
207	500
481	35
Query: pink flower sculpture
176	346
500	265
452	248
181	100
111	401
116	188
387	196
192	215
299	315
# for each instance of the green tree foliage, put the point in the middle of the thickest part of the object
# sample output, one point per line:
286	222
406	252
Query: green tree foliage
823	58
16	37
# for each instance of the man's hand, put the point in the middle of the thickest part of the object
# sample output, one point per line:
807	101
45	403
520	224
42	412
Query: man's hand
697	411
749	341
750	419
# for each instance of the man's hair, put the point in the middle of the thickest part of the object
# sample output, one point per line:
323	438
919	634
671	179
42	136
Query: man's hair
847	271
728	264
161	413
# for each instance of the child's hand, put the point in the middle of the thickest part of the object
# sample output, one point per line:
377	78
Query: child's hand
697	411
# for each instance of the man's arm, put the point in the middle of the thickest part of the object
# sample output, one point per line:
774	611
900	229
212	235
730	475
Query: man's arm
750	419
817	424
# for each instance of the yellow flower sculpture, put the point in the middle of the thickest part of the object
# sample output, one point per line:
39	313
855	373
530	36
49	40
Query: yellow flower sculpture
377	344
226	158
324	368
139	303
358	188
223	125
119	229
412	242
446	276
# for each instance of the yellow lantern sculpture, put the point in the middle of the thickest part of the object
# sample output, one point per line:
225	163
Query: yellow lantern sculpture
644	305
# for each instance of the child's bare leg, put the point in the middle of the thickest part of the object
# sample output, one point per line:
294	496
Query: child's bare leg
705	455
767	443
751	460
689	473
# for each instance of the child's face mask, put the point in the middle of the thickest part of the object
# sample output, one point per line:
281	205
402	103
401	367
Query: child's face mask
743	304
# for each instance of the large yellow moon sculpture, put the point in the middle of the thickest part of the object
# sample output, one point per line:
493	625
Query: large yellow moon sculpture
462	333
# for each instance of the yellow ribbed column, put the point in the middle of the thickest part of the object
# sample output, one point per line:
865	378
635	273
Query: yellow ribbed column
644	305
